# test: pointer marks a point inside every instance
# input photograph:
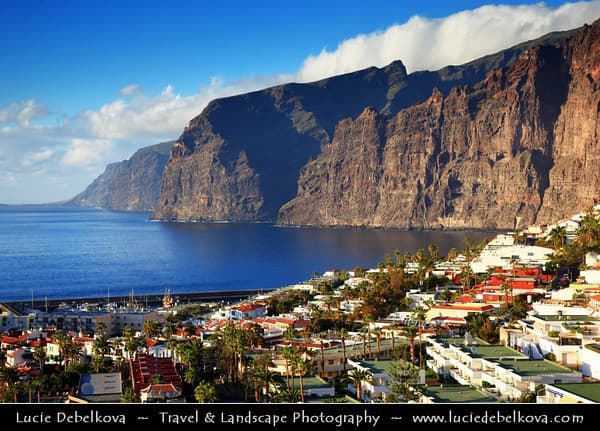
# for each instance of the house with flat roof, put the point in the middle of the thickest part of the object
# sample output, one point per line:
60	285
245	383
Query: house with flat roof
10	318
571	393
509	372
315	386
461	358
458	310
513	378
455	394
98	388
590	360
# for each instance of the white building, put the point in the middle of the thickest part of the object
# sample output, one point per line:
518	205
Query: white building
570	393
502	253
590	358
509	372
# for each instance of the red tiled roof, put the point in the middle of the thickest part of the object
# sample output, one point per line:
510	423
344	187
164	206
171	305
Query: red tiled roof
160	387
466	299
151	342
248	307
144	366
9	340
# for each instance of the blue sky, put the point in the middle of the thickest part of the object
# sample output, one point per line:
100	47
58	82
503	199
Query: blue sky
87	83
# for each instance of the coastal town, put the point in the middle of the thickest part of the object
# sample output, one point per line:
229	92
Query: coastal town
512	319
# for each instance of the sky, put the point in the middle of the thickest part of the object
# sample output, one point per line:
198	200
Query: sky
87	83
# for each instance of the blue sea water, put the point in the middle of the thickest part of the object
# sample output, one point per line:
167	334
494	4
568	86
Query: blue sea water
59	252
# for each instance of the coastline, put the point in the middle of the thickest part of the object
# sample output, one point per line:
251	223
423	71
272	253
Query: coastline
152	300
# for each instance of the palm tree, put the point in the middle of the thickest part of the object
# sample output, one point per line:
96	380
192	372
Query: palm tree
363	337
156	379
343	332
65	344
424	261
39	354
377	332
411	332
588	233
452	254
290	333
290	395
266	378
129	396
100	346
151	328
191	375
254	335
189	330
172	348
507	290
357	377
205	392
232	341
322	360
288	353
557	237
100	328
38	385
368	320
302	366
434	252
420	316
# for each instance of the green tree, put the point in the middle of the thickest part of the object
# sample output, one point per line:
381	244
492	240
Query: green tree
557	237
588	233
411	332
206	392
291	333
301	366
343	333
377	332
357	376
488	332
151	328
39	354
404	375
101	347
288	353
100	328
129	396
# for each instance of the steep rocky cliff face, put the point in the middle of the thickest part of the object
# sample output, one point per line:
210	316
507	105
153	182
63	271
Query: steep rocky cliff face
500	142
574	176
130	185
240	158
521	146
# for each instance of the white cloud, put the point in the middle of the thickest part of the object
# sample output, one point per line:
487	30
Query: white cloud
22	113
86	153
423	43
163	116
39	156
130	90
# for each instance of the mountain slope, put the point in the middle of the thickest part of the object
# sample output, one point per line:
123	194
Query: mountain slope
240	158
519	147
129	185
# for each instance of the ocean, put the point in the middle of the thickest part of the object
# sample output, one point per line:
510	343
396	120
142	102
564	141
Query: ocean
59	252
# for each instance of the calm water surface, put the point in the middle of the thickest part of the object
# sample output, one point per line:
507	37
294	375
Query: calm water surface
69	253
